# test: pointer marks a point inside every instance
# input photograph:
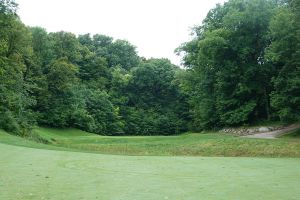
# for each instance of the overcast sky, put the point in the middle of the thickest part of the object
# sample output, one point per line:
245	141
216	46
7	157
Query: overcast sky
155	27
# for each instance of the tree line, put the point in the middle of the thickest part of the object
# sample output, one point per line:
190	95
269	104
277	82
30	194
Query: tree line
241	67
243	64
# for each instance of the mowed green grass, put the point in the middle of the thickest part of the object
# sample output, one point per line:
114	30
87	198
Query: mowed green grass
32	171
35	174
192	144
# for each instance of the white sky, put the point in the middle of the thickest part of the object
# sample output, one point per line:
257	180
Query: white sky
155	27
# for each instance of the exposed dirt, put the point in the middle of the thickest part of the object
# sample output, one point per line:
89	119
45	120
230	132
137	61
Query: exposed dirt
276	133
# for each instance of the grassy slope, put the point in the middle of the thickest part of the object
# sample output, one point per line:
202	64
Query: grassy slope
28	173
184	145
293	135
6	138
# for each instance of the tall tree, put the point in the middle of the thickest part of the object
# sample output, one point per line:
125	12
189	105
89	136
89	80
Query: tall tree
284	54
61	77
230	82
15	60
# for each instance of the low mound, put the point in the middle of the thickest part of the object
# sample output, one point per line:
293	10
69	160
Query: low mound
192	144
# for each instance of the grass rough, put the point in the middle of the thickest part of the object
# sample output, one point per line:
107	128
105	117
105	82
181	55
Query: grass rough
190	144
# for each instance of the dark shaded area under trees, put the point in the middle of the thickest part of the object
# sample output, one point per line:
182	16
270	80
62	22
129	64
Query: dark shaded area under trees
241	67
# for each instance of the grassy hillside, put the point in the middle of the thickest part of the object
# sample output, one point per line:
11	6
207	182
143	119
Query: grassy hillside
192	144
293	135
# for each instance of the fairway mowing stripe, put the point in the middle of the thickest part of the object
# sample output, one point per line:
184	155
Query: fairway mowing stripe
75	166
75	175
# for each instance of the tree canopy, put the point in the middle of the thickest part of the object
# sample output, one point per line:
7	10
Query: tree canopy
242	66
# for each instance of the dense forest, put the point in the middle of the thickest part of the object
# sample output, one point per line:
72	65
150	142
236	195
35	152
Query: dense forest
242	66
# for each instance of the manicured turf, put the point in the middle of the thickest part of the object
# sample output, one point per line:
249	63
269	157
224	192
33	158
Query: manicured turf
28	173
55	172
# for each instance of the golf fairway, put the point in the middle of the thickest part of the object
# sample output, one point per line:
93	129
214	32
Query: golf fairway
27	173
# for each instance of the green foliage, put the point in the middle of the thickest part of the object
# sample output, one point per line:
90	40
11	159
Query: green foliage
15	59
122	53
235	74
61	76
153	90
104	113
117	53
241	67
284	53
42	47
66	45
